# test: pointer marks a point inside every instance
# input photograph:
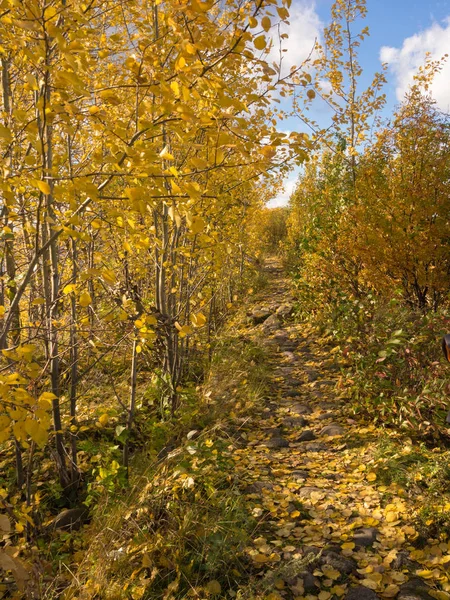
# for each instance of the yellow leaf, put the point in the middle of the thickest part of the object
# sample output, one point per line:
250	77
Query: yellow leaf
110	97
199	163
165	154
439	595
425	573
311	94
260	558
213	587
197	225
338	590
85	299
180	63
371	476
260	42
45	399
265	23
5	133
190	48
44	187
146	560
175	88
390	591
184	331
19	430
330	572
36	432
348	546
103	419
391	516
369	583
2	311
198	320
71	287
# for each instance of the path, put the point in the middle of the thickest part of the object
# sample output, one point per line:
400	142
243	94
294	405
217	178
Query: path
326	528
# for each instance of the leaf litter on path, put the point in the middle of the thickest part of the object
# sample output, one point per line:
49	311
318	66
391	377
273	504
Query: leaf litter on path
327	527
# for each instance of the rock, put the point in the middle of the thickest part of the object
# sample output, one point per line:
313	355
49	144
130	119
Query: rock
294	422
343	564
325	416
300	409
365	536
360	592
402	561
281	337
300	474
260	315
277	442
272	323
326	405
312	375
332	476
333	367
308	550
306	436
311	584
288	344
333	429
257	487
315	447
305	349
307	490
275	432
292	394
70	519
414	589
284	310
289	356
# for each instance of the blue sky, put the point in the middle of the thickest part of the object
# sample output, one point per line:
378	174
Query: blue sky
401	32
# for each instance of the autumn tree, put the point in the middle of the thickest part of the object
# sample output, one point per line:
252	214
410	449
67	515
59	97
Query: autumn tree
136	139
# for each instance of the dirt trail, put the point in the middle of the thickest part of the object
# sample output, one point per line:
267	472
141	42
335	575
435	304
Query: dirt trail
327	528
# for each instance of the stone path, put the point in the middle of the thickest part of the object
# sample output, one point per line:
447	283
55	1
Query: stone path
325	528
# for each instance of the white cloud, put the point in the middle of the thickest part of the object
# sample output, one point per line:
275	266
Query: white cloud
283	199
304	30
404	62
